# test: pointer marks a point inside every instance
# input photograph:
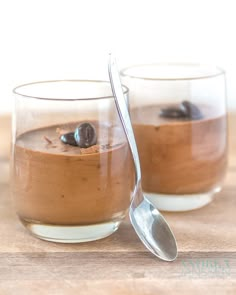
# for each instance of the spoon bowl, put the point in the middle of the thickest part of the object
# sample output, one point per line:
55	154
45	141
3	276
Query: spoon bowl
152	229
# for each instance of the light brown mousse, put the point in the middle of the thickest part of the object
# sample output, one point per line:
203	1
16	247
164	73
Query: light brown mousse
60	184
180	156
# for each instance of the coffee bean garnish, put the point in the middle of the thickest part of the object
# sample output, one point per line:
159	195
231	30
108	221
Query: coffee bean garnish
186	110
172	112
69	138
191	110
85	135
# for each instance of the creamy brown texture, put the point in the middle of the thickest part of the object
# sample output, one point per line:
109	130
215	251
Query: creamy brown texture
60	184
180	156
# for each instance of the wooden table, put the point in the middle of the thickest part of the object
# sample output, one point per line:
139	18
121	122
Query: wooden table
120	264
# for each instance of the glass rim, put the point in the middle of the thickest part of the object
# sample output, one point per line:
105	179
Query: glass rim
218	71
17	88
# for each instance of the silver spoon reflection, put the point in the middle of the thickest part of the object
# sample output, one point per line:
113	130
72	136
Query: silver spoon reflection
149	224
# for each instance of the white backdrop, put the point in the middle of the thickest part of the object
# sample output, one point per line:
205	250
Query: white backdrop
58	39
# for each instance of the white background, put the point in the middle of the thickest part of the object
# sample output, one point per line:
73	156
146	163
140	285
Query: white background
58	39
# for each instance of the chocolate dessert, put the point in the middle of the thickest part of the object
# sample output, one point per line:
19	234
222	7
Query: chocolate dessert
182	148
75	174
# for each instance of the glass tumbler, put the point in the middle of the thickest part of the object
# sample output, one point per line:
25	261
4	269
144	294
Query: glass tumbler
179	117
71	168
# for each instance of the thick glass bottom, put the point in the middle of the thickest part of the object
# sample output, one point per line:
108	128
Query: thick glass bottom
71	233
175	203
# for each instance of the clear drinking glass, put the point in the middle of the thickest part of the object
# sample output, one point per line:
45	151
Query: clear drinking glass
179	116
72	172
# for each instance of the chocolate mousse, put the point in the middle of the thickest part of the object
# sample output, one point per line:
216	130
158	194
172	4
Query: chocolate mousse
60	178
182	148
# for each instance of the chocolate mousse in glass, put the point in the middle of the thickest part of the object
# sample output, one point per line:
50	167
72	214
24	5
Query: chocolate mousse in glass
179	117
72	172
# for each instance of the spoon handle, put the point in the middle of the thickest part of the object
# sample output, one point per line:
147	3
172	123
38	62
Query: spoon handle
121	105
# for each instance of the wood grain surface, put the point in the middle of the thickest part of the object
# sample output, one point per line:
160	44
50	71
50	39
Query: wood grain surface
120	264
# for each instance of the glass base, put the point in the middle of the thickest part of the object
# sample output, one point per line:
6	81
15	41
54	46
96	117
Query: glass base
175	203
71	233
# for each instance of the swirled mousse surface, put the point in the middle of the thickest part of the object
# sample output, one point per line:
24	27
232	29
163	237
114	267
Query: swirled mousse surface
61	184
180	155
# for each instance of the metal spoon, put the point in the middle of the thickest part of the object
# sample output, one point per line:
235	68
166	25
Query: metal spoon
147	221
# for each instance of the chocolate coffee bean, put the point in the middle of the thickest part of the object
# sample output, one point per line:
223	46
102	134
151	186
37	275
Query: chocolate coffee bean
190	110
85	135
172	112
68	138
